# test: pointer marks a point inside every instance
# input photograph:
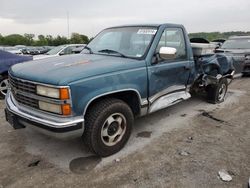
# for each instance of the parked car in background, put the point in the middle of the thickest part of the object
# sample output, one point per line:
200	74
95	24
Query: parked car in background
78	49
13	50
239	48
20	47
218	42
36	50
8	59
42	49
30	50
60	50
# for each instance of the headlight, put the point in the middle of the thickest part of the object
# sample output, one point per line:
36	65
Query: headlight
58	93
50	107
63	109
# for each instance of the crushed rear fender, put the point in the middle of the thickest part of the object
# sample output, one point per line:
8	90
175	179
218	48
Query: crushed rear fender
212	68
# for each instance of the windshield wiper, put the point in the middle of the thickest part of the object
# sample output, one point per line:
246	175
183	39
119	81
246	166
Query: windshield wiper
89	49
112	52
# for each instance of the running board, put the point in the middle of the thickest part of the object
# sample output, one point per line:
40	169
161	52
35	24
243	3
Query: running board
169	100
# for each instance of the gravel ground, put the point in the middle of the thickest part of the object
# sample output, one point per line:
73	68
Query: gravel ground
185	145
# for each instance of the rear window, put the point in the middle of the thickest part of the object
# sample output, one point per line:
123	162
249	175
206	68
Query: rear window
237	44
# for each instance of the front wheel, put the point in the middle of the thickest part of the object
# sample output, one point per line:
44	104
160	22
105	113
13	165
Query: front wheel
108	126
216	93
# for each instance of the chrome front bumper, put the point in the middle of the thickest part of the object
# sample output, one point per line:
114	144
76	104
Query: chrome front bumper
59	127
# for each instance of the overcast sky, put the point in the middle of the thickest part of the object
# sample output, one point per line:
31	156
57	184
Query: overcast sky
90	16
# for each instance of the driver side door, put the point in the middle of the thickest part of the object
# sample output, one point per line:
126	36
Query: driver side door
168	78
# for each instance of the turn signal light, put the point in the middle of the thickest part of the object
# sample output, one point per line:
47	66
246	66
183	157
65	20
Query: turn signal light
64	93
66	109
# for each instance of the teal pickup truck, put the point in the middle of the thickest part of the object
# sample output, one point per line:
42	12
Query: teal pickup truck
123	73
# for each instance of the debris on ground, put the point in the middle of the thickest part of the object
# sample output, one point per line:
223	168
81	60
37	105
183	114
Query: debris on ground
117	160
189	139
183	115
144	134
206	114
224	175
184	153
34	163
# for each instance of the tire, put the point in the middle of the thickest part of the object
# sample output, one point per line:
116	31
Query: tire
108	126
216	93
3	86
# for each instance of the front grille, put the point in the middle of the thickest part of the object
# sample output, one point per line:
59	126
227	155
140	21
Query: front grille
21	85
18	87
26	100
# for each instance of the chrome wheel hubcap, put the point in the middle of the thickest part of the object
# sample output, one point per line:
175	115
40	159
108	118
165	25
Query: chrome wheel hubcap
4	86
113	129
222	92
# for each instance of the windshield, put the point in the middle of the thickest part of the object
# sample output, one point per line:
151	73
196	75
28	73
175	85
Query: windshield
130	42
237	44
55	50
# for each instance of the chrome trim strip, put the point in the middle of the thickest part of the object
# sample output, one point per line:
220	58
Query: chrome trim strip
169	100
47	120
144	102
166	91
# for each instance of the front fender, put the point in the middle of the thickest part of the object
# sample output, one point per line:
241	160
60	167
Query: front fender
86	90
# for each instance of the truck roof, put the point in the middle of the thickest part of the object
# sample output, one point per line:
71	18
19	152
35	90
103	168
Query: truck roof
149	25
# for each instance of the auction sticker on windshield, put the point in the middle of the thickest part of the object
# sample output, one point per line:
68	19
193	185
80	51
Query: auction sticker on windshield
146	31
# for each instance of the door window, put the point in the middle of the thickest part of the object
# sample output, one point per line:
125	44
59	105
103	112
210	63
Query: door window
173	37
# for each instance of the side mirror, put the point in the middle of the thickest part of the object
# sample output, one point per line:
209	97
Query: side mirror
167	53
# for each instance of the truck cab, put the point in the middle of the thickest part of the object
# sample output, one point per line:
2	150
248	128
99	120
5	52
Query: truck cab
123	73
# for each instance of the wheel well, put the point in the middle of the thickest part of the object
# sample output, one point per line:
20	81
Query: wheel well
131	98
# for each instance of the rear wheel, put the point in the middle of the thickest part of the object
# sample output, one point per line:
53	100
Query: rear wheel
108	126
217	93
4	83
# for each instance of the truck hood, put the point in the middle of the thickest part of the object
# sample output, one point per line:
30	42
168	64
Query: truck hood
63	70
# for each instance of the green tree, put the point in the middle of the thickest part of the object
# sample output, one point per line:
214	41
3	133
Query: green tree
14	39
49	39
60	40
85	39
29	38
76	38
42	41
1	39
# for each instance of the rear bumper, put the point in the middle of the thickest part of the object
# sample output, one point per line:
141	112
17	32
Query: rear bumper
59	127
